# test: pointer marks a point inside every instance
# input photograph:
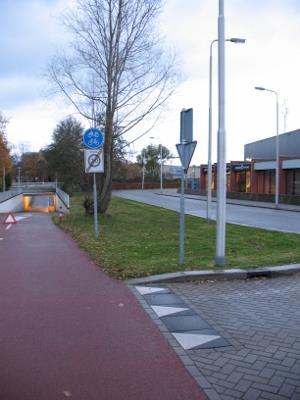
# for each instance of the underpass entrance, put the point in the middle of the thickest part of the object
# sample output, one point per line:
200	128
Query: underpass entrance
39	202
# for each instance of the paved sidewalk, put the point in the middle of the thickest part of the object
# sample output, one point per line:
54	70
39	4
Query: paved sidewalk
69	331
260	319
249	203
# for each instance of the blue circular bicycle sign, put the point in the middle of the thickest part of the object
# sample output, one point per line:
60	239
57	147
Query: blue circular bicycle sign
93	138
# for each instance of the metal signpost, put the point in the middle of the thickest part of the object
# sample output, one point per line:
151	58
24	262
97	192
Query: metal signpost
185	149
93	139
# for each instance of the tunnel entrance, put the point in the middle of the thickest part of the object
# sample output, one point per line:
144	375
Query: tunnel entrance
39	202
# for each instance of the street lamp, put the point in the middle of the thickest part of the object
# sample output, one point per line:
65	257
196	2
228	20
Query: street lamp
209	166
221	176
19	176
277	144
161	165
161	169
143	170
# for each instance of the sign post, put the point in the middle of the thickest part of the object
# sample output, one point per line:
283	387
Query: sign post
93	139
185	150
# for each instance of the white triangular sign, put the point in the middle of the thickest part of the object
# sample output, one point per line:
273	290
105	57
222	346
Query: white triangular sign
185	152
162	311
148	290
190	340
10	219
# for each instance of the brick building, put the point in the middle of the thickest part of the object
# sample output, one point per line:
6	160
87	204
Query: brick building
263	164
257	173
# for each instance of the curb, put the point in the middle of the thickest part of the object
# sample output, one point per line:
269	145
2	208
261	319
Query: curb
234	202
219	275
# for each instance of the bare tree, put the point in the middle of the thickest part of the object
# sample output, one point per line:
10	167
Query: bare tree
117	64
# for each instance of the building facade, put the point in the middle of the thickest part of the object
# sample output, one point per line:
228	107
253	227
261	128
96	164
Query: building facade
257	173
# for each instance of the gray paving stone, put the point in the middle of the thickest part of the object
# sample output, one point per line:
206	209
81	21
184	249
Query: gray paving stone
252	394
186	360
288	362
251	358
185	323
163	299
243	385
212	394
273	396
267	388
287	390
267	372
276	381
234	377
235	394
260	319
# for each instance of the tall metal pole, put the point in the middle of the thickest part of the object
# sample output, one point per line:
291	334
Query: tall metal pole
19	175
96	229
143	171
277	182
221	171
181	220
277	154
3	179
209	166
161	170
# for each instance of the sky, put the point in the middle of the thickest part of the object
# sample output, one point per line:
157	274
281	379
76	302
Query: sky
31	34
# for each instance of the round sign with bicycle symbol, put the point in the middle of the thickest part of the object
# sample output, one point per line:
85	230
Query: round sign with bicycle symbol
93	138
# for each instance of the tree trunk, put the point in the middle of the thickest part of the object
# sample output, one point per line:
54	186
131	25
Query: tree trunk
106	181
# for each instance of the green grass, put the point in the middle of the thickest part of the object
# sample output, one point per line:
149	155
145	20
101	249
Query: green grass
138	240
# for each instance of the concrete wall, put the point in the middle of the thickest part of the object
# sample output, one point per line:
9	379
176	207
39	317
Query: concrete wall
60	205
14	204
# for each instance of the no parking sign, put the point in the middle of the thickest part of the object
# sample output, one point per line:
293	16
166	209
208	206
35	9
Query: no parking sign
93	161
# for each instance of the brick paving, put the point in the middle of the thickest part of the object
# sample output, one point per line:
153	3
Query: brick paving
260	319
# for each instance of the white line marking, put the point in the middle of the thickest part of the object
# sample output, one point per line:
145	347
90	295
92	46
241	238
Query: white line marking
148	290
162	311
190	340
8	227
1	238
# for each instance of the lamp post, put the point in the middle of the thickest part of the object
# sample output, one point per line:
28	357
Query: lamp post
143	170
161	169
209	165
161	165
19	176
221	176
277	143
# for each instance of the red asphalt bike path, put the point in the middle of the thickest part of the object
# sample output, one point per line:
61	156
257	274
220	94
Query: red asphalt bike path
69	331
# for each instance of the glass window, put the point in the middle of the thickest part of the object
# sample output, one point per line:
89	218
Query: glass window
297	182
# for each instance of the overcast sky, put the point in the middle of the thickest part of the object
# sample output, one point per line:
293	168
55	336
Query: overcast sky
30	34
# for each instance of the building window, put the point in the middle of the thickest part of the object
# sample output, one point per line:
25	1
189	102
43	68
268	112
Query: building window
297	182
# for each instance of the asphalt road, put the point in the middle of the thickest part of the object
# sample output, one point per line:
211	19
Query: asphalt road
265	218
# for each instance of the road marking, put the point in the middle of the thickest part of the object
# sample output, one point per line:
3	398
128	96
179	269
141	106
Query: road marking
1	238
20	217
163	311
8	227
190	340
148	290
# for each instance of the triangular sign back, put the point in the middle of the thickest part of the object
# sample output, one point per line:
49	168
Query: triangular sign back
185	152
10	219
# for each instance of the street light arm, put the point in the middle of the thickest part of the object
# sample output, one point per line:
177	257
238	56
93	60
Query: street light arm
277	191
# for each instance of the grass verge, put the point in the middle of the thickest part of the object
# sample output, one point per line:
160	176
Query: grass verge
138	240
